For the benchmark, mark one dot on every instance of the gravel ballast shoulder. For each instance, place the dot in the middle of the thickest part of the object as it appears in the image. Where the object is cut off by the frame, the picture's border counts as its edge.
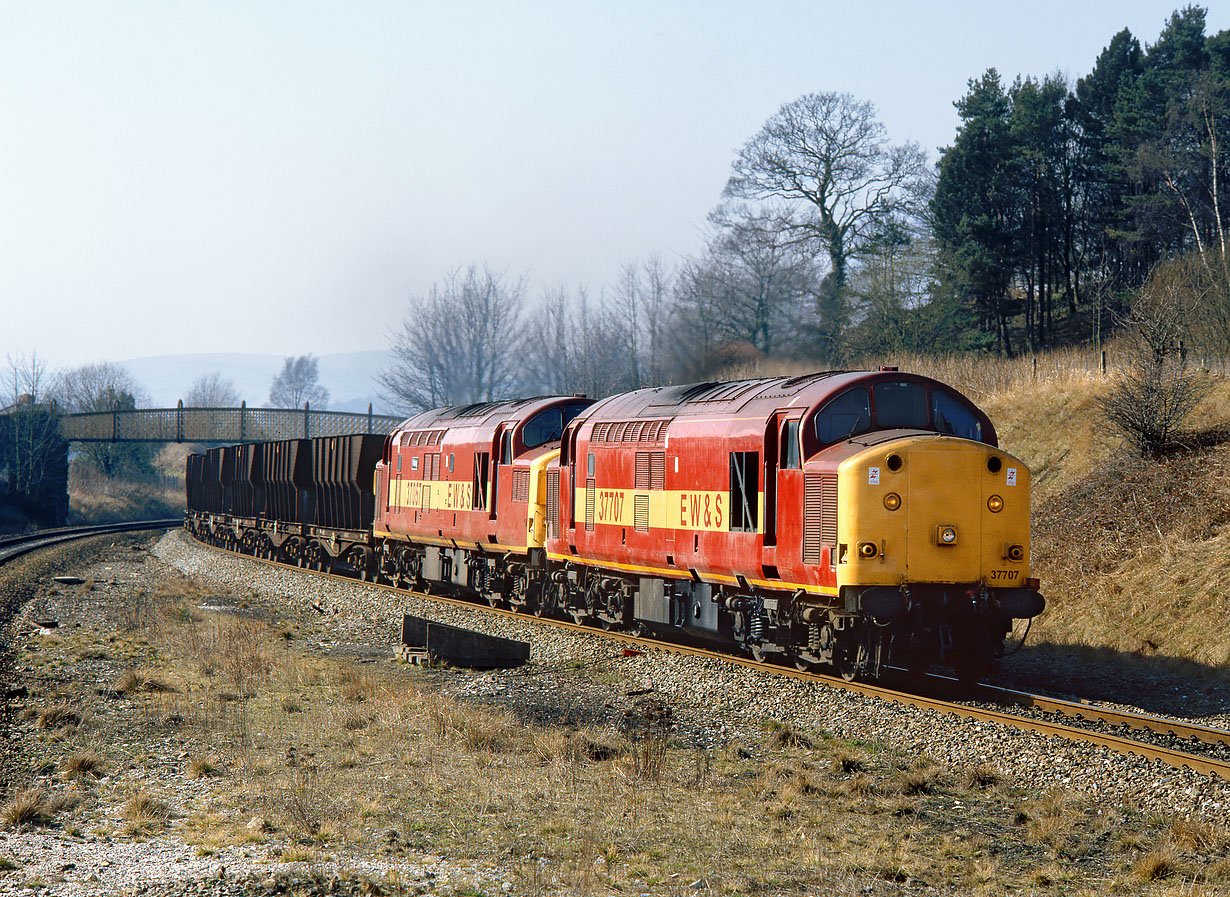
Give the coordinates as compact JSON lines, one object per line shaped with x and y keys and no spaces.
{"x":717,"y":702}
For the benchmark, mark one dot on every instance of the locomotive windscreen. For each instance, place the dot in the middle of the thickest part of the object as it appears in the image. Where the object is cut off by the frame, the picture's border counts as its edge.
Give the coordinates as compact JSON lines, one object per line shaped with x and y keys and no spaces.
{"x":896,"y":405}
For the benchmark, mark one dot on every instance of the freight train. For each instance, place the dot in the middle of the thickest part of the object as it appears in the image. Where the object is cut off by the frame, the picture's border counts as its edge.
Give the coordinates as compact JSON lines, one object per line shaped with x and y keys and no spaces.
{"x":859,"y":520}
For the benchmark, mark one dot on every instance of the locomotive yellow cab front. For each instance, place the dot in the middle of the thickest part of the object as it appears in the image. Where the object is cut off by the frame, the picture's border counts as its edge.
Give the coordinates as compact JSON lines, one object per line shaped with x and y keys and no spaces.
{"x":936,"y":510}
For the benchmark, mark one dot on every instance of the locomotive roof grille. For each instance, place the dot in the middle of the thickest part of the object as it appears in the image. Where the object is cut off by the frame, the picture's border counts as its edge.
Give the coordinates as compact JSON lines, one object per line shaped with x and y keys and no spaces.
{"x":629,"y":431}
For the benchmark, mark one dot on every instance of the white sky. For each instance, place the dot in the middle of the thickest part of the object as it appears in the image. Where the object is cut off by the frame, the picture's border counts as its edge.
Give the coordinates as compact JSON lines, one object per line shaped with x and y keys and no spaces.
{"x":187,"y":177}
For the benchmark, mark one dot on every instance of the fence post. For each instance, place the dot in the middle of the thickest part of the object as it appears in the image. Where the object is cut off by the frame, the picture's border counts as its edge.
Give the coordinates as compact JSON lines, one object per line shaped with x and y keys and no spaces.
{"x":115,"y":422}
{"x":307,"y":432}
{"x":243,"y":420}
{"x":369,"y":417}
{"x":1035,"y":367}
{"x":179,"y":421}
{"x":1103,"y":362}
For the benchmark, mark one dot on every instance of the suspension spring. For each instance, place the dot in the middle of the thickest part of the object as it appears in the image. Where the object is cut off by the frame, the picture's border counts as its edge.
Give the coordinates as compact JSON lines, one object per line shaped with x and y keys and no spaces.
{"x":756,"y":624}
{"x":815,"y":641}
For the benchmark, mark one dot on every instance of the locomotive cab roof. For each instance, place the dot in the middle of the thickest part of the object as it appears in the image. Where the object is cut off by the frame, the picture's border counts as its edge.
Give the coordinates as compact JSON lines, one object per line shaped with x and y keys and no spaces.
{"x":534,"y":422}
{"x":833,"y":406}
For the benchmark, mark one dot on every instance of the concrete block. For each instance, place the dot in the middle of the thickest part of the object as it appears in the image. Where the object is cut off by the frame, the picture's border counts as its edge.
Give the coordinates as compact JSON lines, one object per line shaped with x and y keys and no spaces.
{"x":460,"y":647}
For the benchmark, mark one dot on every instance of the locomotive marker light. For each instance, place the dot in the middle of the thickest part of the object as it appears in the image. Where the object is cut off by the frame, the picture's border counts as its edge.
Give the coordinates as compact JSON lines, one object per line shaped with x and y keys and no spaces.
{"x":946,"y":535}
{"x":867,"y":550}
{"x":995,"y":504}
{"x":892,"y":501}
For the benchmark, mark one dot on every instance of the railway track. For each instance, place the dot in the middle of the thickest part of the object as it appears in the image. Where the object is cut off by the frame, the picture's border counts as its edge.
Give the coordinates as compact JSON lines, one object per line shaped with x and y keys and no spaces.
{"x":968,"y":706}
{"x":15,"y":546}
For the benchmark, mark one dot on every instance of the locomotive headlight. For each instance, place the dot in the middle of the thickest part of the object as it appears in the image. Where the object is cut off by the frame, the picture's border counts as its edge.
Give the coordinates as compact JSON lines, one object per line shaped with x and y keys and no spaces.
{"x":946,"y":535}
{"x":892,"y":501}
{"x":995,"y":504}
{"x":867,"y":550}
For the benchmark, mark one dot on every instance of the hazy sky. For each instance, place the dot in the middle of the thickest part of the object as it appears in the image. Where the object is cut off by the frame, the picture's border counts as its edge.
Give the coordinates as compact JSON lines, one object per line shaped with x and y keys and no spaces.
{"x":278,"y":177}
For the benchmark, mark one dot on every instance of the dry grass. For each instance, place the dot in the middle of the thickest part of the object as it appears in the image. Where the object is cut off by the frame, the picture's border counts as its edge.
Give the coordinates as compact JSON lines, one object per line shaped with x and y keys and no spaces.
{"x":84,"y":763}
{"x":1156,"y":865}
{"x":133,"y":681}
{"x":983,"y":777}
{"x":785,"y":736}
{"x":61,"y":718}
{"x":202,"y":768}
{"x":144,"y":814}
{"x":27,"y":808}
{"x":383,"y":760}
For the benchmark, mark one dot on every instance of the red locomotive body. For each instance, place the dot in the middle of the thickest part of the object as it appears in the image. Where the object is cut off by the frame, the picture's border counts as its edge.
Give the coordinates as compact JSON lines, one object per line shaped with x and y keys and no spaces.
{"x":718,"y":508}
{"x":460,"y":488}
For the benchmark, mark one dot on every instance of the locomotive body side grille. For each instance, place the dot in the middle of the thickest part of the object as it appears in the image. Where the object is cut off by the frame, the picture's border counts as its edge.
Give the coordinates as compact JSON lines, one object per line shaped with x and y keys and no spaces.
{"x":640,"y":513}
{"x":591,"y":494}
{"x":642,"y":470}
{"x":521,"y":485}
{"x":553,"y":521}
{"x":811,"y":519}
{"x":657,"y":470}
{"x":828,"y":509}
{"x":819,"y":515}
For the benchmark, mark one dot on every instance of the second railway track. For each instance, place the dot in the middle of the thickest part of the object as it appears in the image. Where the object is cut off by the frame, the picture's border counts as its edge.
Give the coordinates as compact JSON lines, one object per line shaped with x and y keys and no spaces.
{"x":1210,"y":754}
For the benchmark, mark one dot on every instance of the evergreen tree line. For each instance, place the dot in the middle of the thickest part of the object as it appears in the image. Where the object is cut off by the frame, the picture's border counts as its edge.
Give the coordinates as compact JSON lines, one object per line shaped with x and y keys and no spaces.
{"x":1051,"y":199}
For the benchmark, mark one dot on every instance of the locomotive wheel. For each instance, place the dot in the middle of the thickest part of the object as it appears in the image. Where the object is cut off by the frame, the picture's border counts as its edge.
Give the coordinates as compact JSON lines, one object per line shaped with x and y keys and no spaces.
{"x":759,"y":654}
{"x":552,"y":596}
{"x":845,"y":658}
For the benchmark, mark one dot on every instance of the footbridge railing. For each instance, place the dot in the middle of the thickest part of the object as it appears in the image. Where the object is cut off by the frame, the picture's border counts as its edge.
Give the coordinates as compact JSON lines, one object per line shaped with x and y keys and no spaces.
{"x":242,"y":424}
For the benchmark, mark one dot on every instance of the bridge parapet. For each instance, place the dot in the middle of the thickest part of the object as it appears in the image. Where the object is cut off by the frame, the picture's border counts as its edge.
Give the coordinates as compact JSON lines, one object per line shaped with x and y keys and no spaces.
{"x":242,"y":424}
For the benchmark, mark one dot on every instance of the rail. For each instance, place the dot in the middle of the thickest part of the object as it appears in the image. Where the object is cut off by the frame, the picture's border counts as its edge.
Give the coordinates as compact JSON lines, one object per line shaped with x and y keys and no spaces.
{"x":12,"y":547}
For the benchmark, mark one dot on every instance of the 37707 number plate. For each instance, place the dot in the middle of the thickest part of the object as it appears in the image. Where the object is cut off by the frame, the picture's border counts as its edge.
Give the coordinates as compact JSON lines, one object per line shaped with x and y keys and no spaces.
{"x":1003,"y":575}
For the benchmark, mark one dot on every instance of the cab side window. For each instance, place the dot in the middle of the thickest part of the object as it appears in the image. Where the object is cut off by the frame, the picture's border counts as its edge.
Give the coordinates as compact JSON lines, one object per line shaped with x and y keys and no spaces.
{"x":543,"y":427}
{"x":791,"y":459}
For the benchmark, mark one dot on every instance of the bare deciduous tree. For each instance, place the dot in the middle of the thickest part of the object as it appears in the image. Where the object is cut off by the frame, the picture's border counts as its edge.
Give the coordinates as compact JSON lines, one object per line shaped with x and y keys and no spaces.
{"x":641,"y":305}
{"x":99,"y":387}
{"x":298,"y":382}
{"x":212,"y":390}
{"x":459,"y":343}
{"x":1156,"y":391}
{"x":106,"y":386}
{"x":824,"y":165}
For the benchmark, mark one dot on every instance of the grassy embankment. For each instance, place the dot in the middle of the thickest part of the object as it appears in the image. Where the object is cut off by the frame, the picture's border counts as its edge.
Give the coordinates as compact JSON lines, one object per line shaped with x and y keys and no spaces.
{"x":93,"y":498}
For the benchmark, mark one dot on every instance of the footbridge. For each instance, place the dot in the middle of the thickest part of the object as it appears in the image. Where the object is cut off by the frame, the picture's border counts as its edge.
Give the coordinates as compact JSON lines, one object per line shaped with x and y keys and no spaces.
{"x":242,"y":424}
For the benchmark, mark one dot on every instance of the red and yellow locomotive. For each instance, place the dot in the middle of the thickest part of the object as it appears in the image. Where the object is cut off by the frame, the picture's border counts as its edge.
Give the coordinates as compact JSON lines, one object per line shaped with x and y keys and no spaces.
{"x":859,"y":519}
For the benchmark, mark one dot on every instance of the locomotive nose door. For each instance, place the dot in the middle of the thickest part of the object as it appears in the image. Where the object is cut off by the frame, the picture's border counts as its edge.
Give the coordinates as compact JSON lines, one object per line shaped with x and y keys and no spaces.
{"x":944,"y":532}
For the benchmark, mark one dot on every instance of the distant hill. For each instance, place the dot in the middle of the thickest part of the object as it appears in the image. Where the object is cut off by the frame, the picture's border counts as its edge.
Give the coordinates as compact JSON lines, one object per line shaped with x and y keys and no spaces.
{"x":349,"y":377}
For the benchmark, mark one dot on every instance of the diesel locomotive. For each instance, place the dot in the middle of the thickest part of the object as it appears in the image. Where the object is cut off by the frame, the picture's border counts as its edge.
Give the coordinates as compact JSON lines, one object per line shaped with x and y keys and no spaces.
{"x":858,"y":520}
